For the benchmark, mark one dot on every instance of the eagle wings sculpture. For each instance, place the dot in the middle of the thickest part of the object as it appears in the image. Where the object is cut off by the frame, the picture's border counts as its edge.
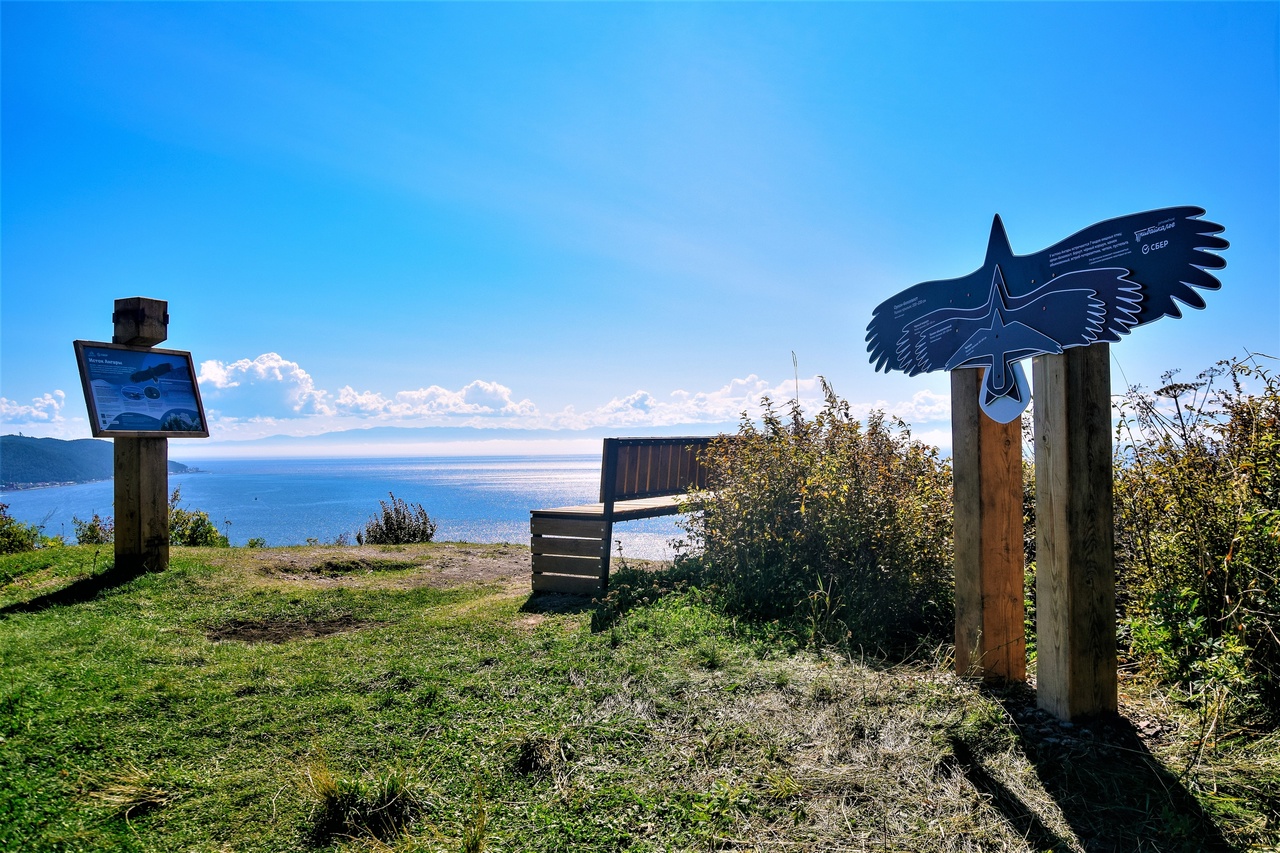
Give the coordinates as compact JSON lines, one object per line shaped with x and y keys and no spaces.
{"x":1094,"y":286}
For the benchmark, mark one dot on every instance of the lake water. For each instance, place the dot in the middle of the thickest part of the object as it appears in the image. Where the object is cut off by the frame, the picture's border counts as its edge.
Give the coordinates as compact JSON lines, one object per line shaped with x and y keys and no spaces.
{"x":287,"y":501}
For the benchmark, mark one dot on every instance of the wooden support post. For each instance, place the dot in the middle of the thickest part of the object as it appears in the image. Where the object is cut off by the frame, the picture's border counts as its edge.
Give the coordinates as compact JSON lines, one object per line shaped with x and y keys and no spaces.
{"x":1075,"y":554}
{"x":142,"y":505}
{"x":987,"y":468}
{"x":141,"y":464}
{"x":608,"y":493}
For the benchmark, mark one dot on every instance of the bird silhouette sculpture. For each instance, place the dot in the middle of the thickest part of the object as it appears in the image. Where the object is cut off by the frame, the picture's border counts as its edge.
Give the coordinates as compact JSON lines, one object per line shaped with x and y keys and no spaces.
{"x":1094,"y":286}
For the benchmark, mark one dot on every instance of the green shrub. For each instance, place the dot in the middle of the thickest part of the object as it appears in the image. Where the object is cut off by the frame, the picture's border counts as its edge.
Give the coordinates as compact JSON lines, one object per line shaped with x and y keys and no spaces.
{"x":256,"y":542}
{"x":1197,"y":488}
{"x":192,"y":527}
{"x":16,"y":536}
{"x":98,"y":530}
{"x":399,"y":524}
{"x":842,"y":527}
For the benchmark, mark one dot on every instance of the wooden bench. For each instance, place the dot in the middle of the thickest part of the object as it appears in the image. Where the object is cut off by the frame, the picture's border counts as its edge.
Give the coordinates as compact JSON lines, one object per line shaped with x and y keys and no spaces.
{"x":639,"y":478}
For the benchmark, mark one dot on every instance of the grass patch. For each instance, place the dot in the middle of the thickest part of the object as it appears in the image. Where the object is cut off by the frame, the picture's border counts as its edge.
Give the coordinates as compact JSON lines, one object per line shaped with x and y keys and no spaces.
{"x":474,"y":718}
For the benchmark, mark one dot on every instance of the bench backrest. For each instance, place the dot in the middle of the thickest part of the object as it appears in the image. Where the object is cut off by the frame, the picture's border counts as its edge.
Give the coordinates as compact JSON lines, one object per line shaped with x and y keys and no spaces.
{"x":650,"y":467}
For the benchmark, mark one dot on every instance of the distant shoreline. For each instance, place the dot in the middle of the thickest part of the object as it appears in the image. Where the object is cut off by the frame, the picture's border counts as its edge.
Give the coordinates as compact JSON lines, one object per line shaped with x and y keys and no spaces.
{"x":27,"y":487}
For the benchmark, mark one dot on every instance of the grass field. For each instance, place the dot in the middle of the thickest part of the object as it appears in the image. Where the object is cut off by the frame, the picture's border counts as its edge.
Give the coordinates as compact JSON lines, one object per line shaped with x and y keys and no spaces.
{"x":327,"y":699}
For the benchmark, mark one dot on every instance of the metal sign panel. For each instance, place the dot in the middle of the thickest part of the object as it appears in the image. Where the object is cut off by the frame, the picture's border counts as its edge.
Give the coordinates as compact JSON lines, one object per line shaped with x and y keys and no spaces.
{"x":1094,"y":286}
{"x":140,"y":391}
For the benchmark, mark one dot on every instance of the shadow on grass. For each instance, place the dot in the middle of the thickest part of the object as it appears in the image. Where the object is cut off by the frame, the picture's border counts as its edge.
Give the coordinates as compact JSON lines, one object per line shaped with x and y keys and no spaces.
{"x":1113,"y":792}
{"x":557,"y":602}
{"x":1015,"y":812}
{"x":79,"y":591}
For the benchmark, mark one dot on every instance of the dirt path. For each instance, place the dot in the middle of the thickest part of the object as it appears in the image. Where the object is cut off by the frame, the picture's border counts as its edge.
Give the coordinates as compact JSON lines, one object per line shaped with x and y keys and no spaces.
{"x":437,"y":564}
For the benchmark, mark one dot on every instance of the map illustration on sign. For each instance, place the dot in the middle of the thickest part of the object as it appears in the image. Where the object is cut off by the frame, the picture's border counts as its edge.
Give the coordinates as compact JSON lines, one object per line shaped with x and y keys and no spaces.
{"x":140,"y":391}
{"x":1092,"y":287}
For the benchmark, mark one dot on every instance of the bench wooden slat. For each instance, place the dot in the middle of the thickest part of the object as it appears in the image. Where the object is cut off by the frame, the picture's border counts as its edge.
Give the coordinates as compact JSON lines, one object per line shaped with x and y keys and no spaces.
{"x":586,"y":525}
{"x":567,"y":584}
{"x":566,"y":547}
{"x":629,"y":462}
{"x":567,"y":565}
{"x":647,"y":508}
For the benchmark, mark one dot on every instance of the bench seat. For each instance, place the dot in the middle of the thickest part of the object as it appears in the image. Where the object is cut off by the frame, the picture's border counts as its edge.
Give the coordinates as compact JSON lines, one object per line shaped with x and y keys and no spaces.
{"x":622,"y":510}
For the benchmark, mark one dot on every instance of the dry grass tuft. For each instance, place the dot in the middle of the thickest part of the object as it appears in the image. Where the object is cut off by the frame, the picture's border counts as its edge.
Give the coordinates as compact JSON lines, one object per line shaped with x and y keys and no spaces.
{"x":378,"y":806}
{"x":133,"y":791}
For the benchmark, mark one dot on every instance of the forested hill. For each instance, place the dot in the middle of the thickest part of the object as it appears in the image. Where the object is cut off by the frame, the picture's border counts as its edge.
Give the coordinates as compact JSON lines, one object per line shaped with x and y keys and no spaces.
{"x":26,"y":461}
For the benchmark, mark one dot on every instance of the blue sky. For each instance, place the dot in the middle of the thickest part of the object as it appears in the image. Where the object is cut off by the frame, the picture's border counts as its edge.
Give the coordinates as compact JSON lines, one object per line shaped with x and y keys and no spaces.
{"x":595,"y":215}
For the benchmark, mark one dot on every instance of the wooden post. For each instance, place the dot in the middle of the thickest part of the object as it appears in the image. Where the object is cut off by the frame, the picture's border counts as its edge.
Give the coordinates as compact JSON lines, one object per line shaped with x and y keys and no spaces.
{"x":141,"y":464}
{"x":987,"y":468}
{"x":142,"y":505}
{"x":1075,"y":554}
{"x":608,"y":491}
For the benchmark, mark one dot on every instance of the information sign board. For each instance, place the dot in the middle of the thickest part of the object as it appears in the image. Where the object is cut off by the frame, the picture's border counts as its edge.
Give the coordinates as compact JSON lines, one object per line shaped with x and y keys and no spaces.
{"x":140,"y":391}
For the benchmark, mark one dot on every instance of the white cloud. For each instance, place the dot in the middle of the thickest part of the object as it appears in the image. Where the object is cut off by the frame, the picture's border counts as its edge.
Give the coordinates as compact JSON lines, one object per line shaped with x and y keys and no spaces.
{"x":270,"y":395}
{"x":478,"y":398}
{"x":724,"y":404}
{"x":272,"y":384}
{"x":45,"y":409}
{"x":925,"y":406}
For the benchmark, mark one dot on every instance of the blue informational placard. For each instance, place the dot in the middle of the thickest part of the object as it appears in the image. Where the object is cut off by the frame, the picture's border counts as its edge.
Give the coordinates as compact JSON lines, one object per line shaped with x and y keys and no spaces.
{"x":1094,"y":286}
{"x":140,"y":391}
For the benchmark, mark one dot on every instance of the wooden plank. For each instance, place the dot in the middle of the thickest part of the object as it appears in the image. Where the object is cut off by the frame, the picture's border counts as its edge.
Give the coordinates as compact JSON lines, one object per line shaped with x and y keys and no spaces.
{"x":1004,"y":641}
{"x":582,"y":511}
{"x":566,"y":565}
{"x":609,"y":470}
{"x":567,"y":547}
{"x":666,"y":478}
{"x":633,"y":510}
{"x":987,"y":489}
{"x":141,"y":471}
{"x":628,"y":470}
{"x":1075,"y":551}
{"x":644,"y":473}
{"x":966,"y":478}
{"x":586,"y":528}
{"x":563,"y":521}
{"x":566,"y":584}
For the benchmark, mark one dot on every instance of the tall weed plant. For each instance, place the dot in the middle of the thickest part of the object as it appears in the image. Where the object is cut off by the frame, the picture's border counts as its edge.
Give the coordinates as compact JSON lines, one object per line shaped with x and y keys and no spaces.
{"x":1197,"y":489}
{"x":840,"y":527}
{"x":399,"y":523}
